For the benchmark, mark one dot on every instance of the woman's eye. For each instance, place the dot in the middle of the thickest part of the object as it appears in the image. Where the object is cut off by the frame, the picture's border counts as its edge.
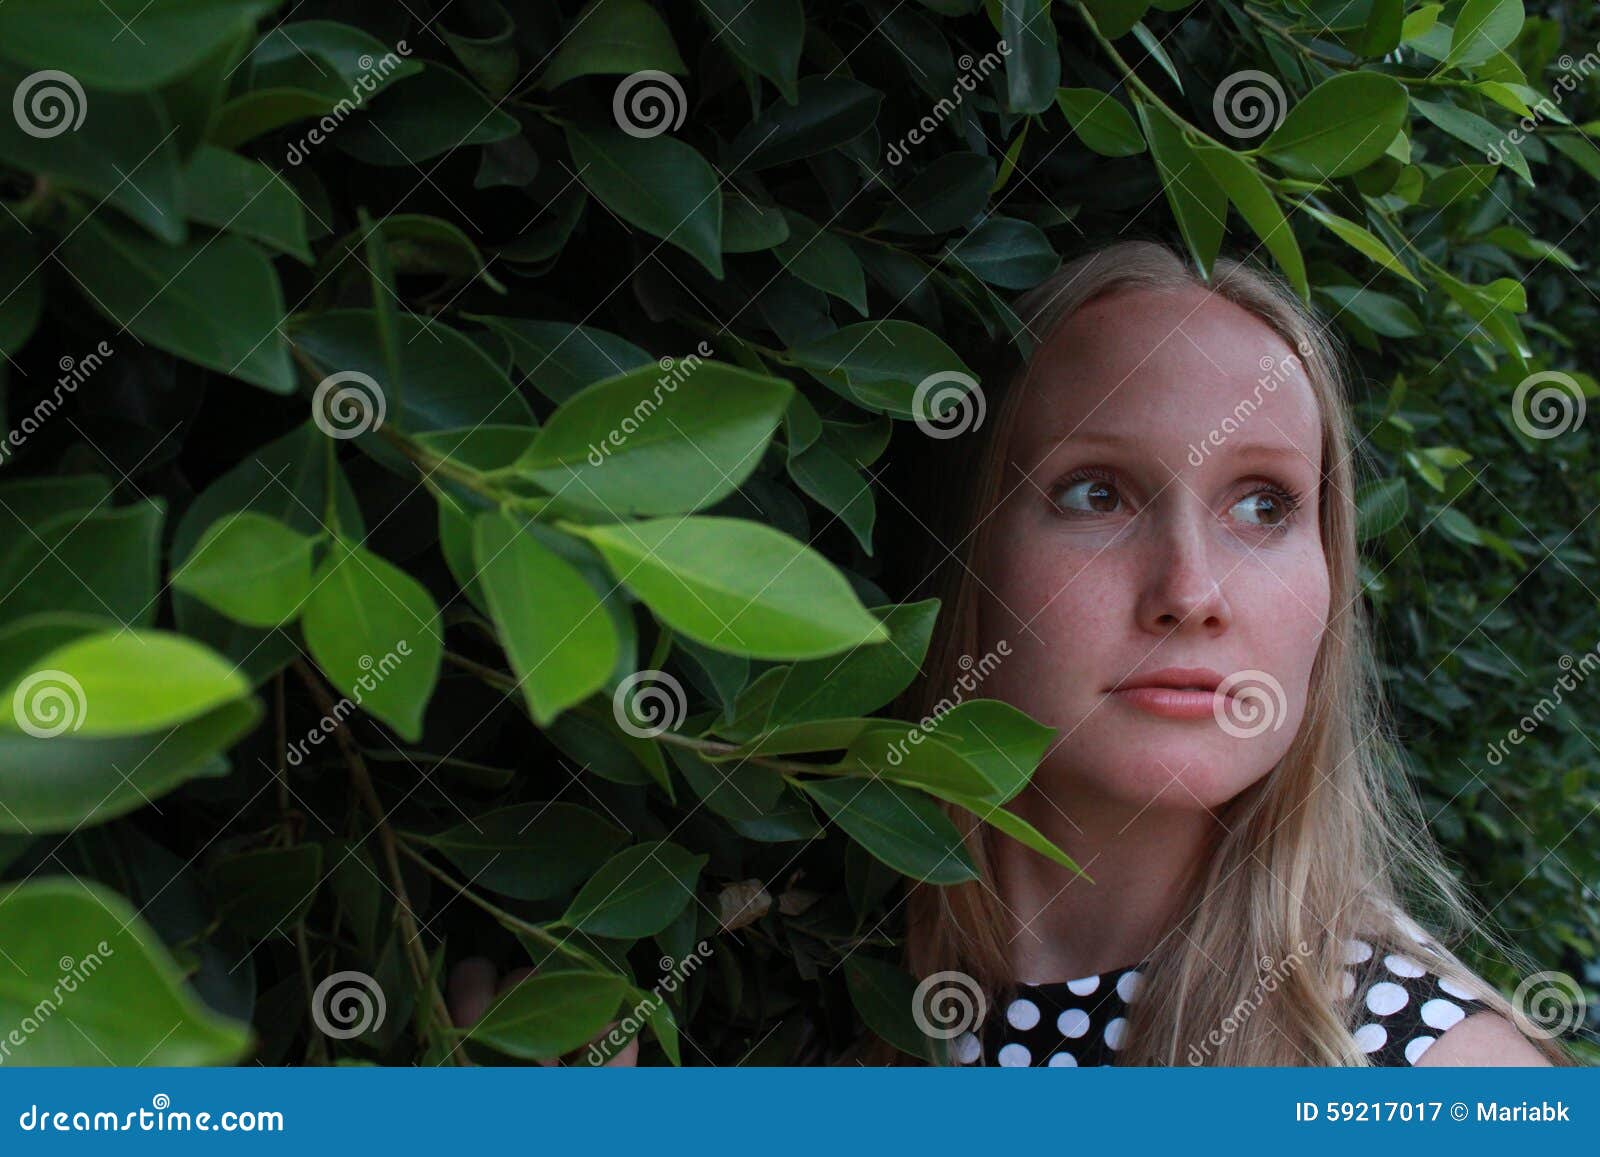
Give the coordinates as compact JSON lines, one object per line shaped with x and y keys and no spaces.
{"x":1264,"y":508}
{"x":1087,"y":495}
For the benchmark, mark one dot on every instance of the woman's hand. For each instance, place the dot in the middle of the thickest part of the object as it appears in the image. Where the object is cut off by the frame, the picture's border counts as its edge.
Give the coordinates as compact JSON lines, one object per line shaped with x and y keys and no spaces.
{"x":472,"y":988}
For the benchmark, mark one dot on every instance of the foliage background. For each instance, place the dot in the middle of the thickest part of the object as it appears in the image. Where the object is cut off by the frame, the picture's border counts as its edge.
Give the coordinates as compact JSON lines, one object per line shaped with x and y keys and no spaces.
{"x":474,"y":234}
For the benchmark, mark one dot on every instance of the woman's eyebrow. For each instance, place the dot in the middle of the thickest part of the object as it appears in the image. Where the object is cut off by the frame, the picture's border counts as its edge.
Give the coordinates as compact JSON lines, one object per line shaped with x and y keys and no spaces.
{"x":1254,"y":448}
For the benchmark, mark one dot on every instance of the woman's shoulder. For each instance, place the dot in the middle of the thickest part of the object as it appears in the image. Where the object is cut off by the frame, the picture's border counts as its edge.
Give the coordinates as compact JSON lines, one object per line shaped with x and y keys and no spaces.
{"x":1404,"y":1003}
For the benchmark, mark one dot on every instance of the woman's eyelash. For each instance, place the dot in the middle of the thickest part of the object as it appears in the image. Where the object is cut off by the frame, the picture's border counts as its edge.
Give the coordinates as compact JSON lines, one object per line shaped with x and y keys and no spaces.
{"x":1291,"y":498}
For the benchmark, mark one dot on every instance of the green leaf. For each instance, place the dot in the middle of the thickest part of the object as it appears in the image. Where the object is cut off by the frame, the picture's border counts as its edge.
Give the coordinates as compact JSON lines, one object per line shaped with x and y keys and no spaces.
{"x":550,"y":1013}
{"x":215,"y":302}
{"x":637,"y":892}
{"x":1385,"y":25}
{"x":658,"y":184}
{"x":1484,"y":28}
{"x":1359,"y":239}
{"x":1016,"y":827}
{"x":122,"y":44}
{"x":950,"y":192}
{"x":765,"y":35}
{"x":831,"y":112}
{"x":530,"y":851}
{"x":1102,"y":122}
{"x":738,"y":586}
{"x":558,"y":358}
{"x":425,"y":117}
{"x":658,"y":441}
{"x":100,"y":685}
{"x":1380,"y":507}
{"x":901,"y":827}
{"x":1116,"y":17}
{"x":1259,"y":208}
{"x":1006,"y":252}
{"x":250,"y":567}
{"x":1380,"y":312}
{"x":882,"y":364}
{"x":613,"y":37}
{"x":554,"y":630}
{"x":1198,"y":203}
{"x":374,"y":630}
{"x":886,"y":996}
{"x":128,"y":1004}
{"x":125,"y":133}
{"x":243,"y":196}
{"x":100,"y":563}
{"x":1033,"y":66}
{"x":1481,"y":135}
{"x":264,"y":891}
{"x":822,"y":259}
{"x":1339,"y":127}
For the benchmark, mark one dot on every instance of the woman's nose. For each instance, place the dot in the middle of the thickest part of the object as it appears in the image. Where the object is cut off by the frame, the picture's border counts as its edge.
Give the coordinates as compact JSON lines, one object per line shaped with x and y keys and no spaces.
{"x":1185,"y":574}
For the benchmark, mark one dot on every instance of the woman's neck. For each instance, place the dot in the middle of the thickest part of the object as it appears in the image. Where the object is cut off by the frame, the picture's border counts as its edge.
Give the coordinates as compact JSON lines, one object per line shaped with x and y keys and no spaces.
{"x":1140,"y":859}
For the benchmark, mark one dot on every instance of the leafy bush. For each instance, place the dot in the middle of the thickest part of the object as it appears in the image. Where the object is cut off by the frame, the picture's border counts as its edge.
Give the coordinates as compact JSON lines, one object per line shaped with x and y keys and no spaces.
{"x":442,"y":475}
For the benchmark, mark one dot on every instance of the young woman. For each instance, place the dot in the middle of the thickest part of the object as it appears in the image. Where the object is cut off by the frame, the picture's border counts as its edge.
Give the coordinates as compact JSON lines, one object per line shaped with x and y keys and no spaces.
{"x":1155,"y":553}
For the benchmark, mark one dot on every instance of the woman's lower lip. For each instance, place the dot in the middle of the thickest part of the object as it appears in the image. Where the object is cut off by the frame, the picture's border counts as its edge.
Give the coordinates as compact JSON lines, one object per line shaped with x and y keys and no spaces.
{"x":1171,"y":702}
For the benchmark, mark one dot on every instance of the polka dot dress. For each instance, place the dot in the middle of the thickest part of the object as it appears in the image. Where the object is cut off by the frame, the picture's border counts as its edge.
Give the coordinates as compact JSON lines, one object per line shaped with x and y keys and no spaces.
{"x":1397,"y":1009}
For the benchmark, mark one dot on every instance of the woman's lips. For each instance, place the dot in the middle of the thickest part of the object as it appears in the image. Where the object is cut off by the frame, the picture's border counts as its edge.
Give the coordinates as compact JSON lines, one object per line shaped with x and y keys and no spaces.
{"x":1172,"y":703}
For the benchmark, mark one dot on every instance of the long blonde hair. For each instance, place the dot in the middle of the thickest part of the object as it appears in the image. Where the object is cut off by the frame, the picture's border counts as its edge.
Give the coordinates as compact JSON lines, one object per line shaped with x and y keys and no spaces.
{"x":1331,"y":846}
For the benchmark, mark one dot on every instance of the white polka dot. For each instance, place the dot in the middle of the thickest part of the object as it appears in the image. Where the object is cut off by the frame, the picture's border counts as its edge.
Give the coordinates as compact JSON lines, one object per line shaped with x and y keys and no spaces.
{"x":1128,"y":985}
{"x":1347,"y":983}
{"x":1015,"y":1056}
{"x":968,"y":1048}
{"x":1371,"y":1037}
{"x":1355,"y":951}
{"x":1415,"y":1048}
{"x":1115,"y":1031}
{"x":1402,"y":965}
{"x":1073,"y":1022}
{"x":1386,"y":997}
{"x":1441,"y":1014}
{"x":1083,"y":986}
{"x":1022,"y":1013}
{"x":1460,"y":991}
{"x":1062,"y":1061}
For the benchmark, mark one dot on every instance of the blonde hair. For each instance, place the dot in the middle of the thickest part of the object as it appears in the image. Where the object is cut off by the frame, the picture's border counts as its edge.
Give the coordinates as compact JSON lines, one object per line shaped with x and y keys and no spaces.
{"x":1331,"y":846}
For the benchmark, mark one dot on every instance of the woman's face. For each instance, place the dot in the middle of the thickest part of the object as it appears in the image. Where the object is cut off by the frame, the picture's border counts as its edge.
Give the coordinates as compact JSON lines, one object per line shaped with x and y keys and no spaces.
{"x":1146,"y":524}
